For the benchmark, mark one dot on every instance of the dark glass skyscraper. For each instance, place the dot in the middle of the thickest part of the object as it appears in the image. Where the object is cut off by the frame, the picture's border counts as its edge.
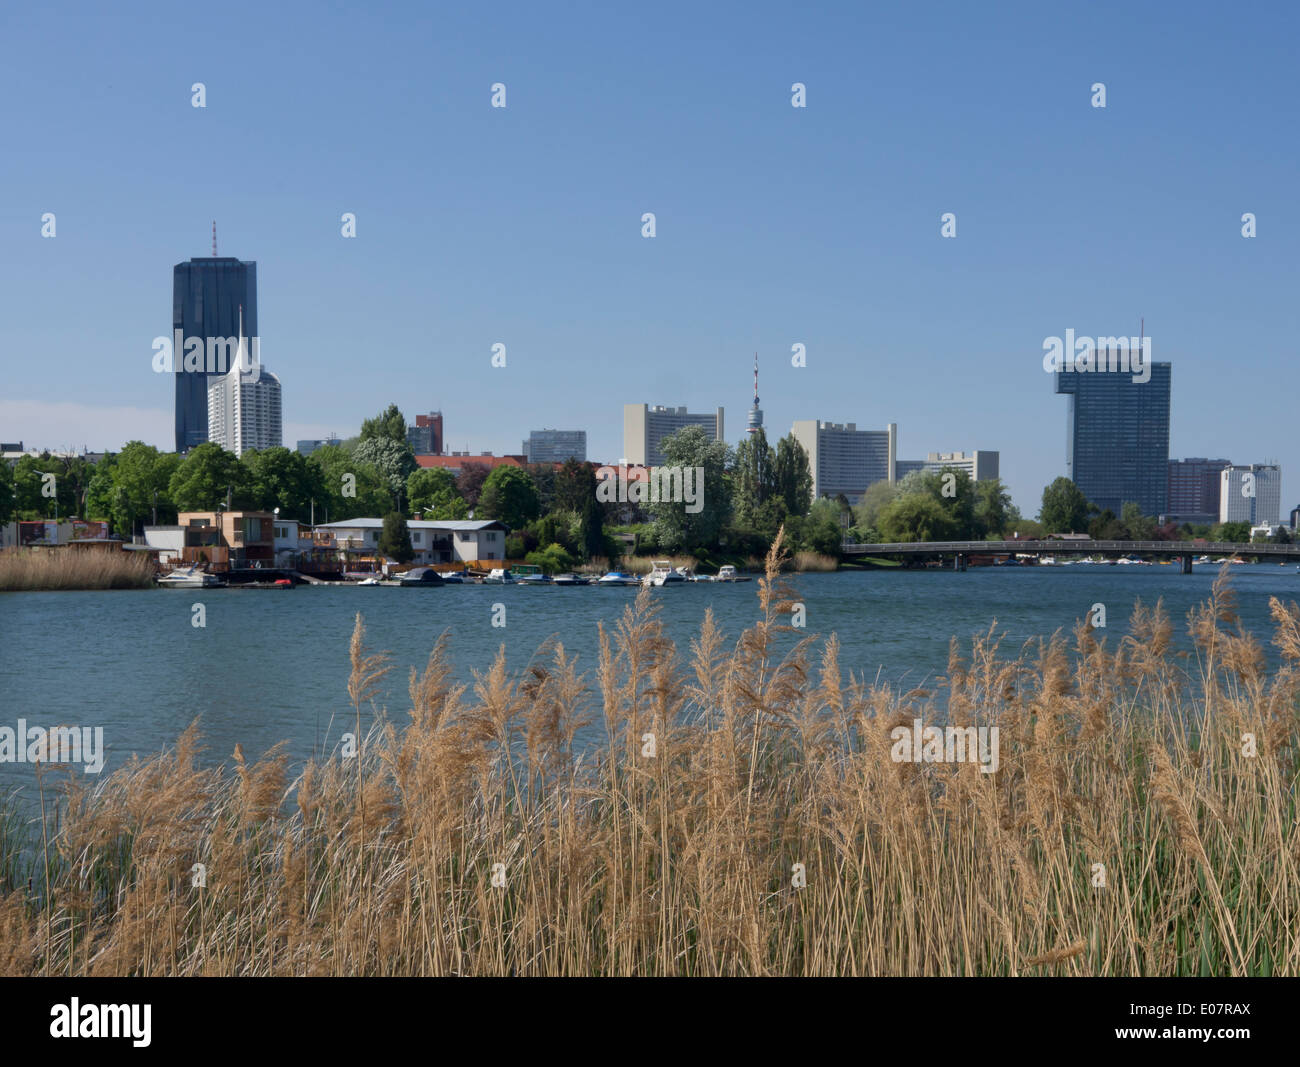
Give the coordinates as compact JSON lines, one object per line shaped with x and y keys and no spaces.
{"x":207,"y":295}
{"x":1117,"y":449}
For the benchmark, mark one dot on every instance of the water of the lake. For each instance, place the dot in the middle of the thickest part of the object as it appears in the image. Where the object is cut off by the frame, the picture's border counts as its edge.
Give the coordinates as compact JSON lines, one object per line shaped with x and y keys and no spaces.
{"x":273,"y":665}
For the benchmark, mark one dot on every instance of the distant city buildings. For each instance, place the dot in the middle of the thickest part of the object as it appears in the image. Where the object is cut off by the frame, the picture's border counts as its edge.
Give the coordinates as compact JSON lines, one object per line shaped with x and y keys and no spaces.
{"x":904,"y":467}
{"x":980,"y":465}
{"x":244,"y":406}
{"x":1194,"y":490}
{"x":844,"y":459}
{"x":307,"y":447}
{"x":207,"y":297}
{"x":645,"y":427}
{"x":1117,"y":447}
{"x":425,"y":437}
{"x":556,"y":446}
{"x":1251,"y":494}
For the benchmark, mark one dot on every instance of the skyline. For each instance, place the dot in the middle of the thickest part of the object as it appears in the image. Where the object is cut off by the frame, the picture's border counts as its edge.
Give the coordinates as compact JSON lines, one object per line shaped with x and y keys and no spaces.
{"x":775,"y":226}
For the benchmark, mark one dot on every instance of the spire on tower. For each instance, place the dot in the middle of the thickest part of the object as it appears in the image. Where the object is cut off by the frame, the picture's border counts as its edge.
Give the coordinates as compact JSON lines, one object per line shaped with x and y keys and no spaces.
{"x":755,"y":420}
{"x":214,"y":238}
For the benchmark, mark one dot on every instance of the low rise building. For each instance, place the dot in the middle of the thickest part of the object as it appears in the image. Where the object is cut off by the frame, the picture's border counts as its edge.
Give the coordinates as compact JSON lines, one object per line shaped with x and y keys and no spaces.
{"x":433,"y":541}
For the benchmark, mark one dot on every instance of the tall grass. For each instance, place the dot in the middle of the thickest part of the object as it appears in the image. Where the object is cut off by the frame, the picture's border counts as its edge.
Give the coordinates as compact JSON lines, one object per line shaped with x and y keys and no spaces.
{"x":1113,"y":770}
{"x":27,"y":569}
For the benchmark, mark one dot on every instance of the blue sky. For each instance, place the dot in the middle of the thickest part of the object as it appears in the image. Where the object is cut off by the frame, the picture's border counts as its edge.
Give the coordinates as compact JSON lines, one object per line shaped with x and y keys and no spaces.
{"x":775,"y":225}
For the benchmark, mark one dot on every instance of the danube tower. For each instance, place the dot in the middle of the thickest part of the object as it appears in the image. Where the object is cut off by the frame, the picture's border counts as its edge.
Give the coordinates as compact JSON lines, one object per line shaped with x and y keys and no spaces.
{"x":755,"y":421}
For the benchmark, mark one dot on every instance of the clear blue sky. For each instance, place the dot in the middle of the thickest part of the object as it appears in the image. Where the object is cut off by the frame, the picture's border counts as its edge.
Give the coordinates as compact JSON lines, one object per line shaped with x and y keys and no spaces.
{"x":776,"y":225}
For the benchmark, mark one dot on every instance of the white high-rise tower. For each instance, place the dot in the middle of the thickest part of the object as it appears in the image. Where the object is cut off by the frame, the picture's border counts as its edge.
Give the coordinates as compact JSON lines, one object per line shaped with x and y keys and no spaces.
{"x":244,"y":403}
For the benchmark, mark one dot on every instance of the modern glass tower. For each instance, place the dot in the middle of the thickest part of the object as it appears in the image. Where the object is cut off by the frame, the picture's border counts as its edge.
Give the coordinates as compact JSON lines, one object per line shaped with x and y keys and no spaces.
{"x":207,"y":295}
{"x":1117,"y":447}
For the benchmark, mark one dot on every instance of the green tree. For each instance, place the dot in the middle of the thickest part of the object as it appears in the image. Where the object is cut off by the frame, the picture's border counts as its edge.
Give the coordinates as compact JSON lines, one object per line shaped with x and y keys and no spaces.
{"x":509,"y":496}
{"x":753,"y":482}
{"x":432,"y":492}
{"x":1106,"y":527}
{"x":793,"y":476}
{"x":992,"y":508}
{"x":126,"y":488}
{"x":390,"y":425}
{"x":394,"y":460}
{"x":6,"y":492}
{"x":352,"y":490}
{"x":1140,"y":527}
{"x":919,"y":517}
{"x":1237,"y":532}
{"x":574,"y":482}
{"x":546,"y":478}
{"x":1065,"y":509}
{"x":676,"y":527}
{"x":284,"y":479}
{"x":395,"y":539}
{"x":209,"y":476}
{"x":866,"y":513}
{"x":553,"y":559}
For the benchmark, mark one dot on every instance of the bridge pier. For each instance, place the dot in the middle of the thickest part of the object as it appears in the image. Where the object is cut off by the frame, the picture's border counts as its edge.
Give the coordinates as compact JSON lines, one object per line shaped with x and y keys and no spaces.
{"x":959,"y":561}
{"x":1187,"y":564}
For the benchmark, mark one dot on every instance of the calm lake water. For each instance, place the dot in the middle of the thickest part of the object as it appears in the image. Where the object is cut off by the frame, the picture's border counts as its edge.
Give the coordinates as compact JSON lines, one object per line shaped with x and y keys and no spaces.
{"x":273,"y":666}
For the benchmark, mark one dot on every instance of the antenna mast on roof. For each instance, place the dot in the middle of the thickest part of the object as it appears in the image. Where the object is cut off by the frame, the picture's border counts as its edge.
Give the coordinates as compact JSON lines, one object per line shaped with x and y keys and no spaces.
{"x":214,"y":238}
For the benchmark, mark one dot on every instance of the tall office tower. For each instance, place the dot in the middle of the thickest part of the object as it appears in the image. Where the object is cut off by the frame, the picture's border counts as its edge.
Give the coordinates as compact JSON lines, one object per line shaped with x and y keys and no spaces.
{"x":645,"y":427}
{"x":980,"y":465}
{"x":244,"y":406}
{"x":1194,"y":489}
{"x":1117,"y":447}
{"x":1251,"y":494}
{"x":556,"y":446}
{"x":425,"y":436}
{"x":755,"y":419}
{"x":844,"y":459}
{"x":207,"y":295}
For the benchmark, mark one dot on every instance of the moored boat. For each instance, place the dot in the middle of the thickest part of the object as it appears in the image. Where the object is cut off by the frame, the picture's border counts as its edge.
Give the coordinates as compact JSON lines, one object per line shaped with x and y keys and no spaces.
{"x":420,"y":576}
{"x":190,"y":578}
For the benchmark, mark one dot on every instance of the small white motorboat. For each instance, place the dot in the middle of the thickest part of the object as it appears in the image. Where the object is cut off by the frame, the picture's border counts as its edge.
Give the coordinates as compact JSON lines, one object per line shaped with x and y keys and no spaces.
{"x":662,"y":572}
{"x":190,"y":578}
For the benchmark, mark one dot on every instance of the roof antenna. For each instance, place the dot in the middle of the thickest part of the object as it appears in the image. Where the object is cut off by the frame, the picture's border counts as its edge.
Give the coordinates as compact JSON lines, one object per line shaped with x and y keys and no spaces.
{"x":214,"y":238}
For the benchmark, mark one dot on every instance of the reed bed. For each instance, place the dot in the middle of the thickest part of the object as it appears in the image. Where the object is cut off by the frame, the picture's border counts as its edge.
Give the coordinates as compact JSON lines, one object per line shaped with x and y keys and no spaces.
{"x":28,"y":569}
{"x":813,"y":561}
{"x":474,"y":837}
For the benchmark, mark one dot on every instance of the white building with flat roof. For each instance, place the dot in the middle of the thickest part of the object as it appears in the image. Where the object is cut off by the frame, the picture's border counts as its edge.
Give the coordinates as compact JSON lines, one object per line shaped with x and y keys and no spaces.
{"x":979,"y":465}
{"x":844,"y":459}
{"x":434,"y":541}
{"x":645,"y":427}
{"x":1251,"y":494}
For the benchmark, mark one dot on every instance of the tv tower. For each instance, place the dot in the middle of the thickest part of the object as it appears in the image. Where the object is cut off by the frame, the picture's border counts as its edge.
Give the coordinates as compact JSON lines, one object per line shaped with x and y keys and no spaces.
{"x":755,"y":420}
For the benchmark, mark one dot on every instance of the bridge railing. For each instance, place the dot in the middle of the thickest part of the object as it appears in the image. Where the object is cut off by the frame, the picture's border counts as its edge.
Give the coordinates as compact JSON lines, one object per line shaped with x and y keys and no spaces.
{"x":1167,"y":548}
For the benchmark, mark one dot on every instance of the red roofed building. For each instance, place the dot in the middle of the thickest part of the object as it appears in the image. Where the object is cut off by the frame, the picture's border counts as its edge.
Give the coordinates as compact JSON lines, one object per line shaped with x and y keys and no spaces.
{"x":453,"y":464}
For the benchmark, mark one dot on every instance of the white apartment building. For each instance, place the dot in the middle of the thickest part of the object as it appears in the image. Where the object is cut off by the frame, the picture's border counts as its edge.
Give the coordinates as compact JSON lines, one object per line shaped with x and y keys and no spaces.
{"x":844,"y":459}
{"x":979,"y":465}
{"x":1251,"y":494}
{"x":244,"y":406}
{"x":645,"y":427}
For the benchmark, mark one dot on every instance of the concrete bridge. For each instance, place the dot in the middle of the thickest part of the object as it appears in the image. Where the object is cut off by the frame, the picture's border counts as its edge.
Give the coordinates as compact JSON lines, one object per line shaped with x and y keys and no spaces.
{"x":1185,"y":551}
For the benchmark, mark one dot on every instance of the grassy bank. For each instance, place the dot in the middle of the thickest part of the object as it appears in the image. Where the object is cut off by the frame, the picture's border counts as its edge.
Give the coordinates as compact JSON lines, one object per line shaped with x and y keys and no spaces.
{"x":27,"y":569}
{"x":684,"y":861}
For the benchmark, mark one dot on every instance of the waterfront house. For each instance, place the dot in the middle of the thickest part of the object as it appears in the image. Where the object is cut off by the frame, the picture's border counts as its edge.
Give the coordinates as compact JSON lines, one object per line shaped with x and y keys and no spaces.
{"x":223,"y":539}
{"x":434,"y":541}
